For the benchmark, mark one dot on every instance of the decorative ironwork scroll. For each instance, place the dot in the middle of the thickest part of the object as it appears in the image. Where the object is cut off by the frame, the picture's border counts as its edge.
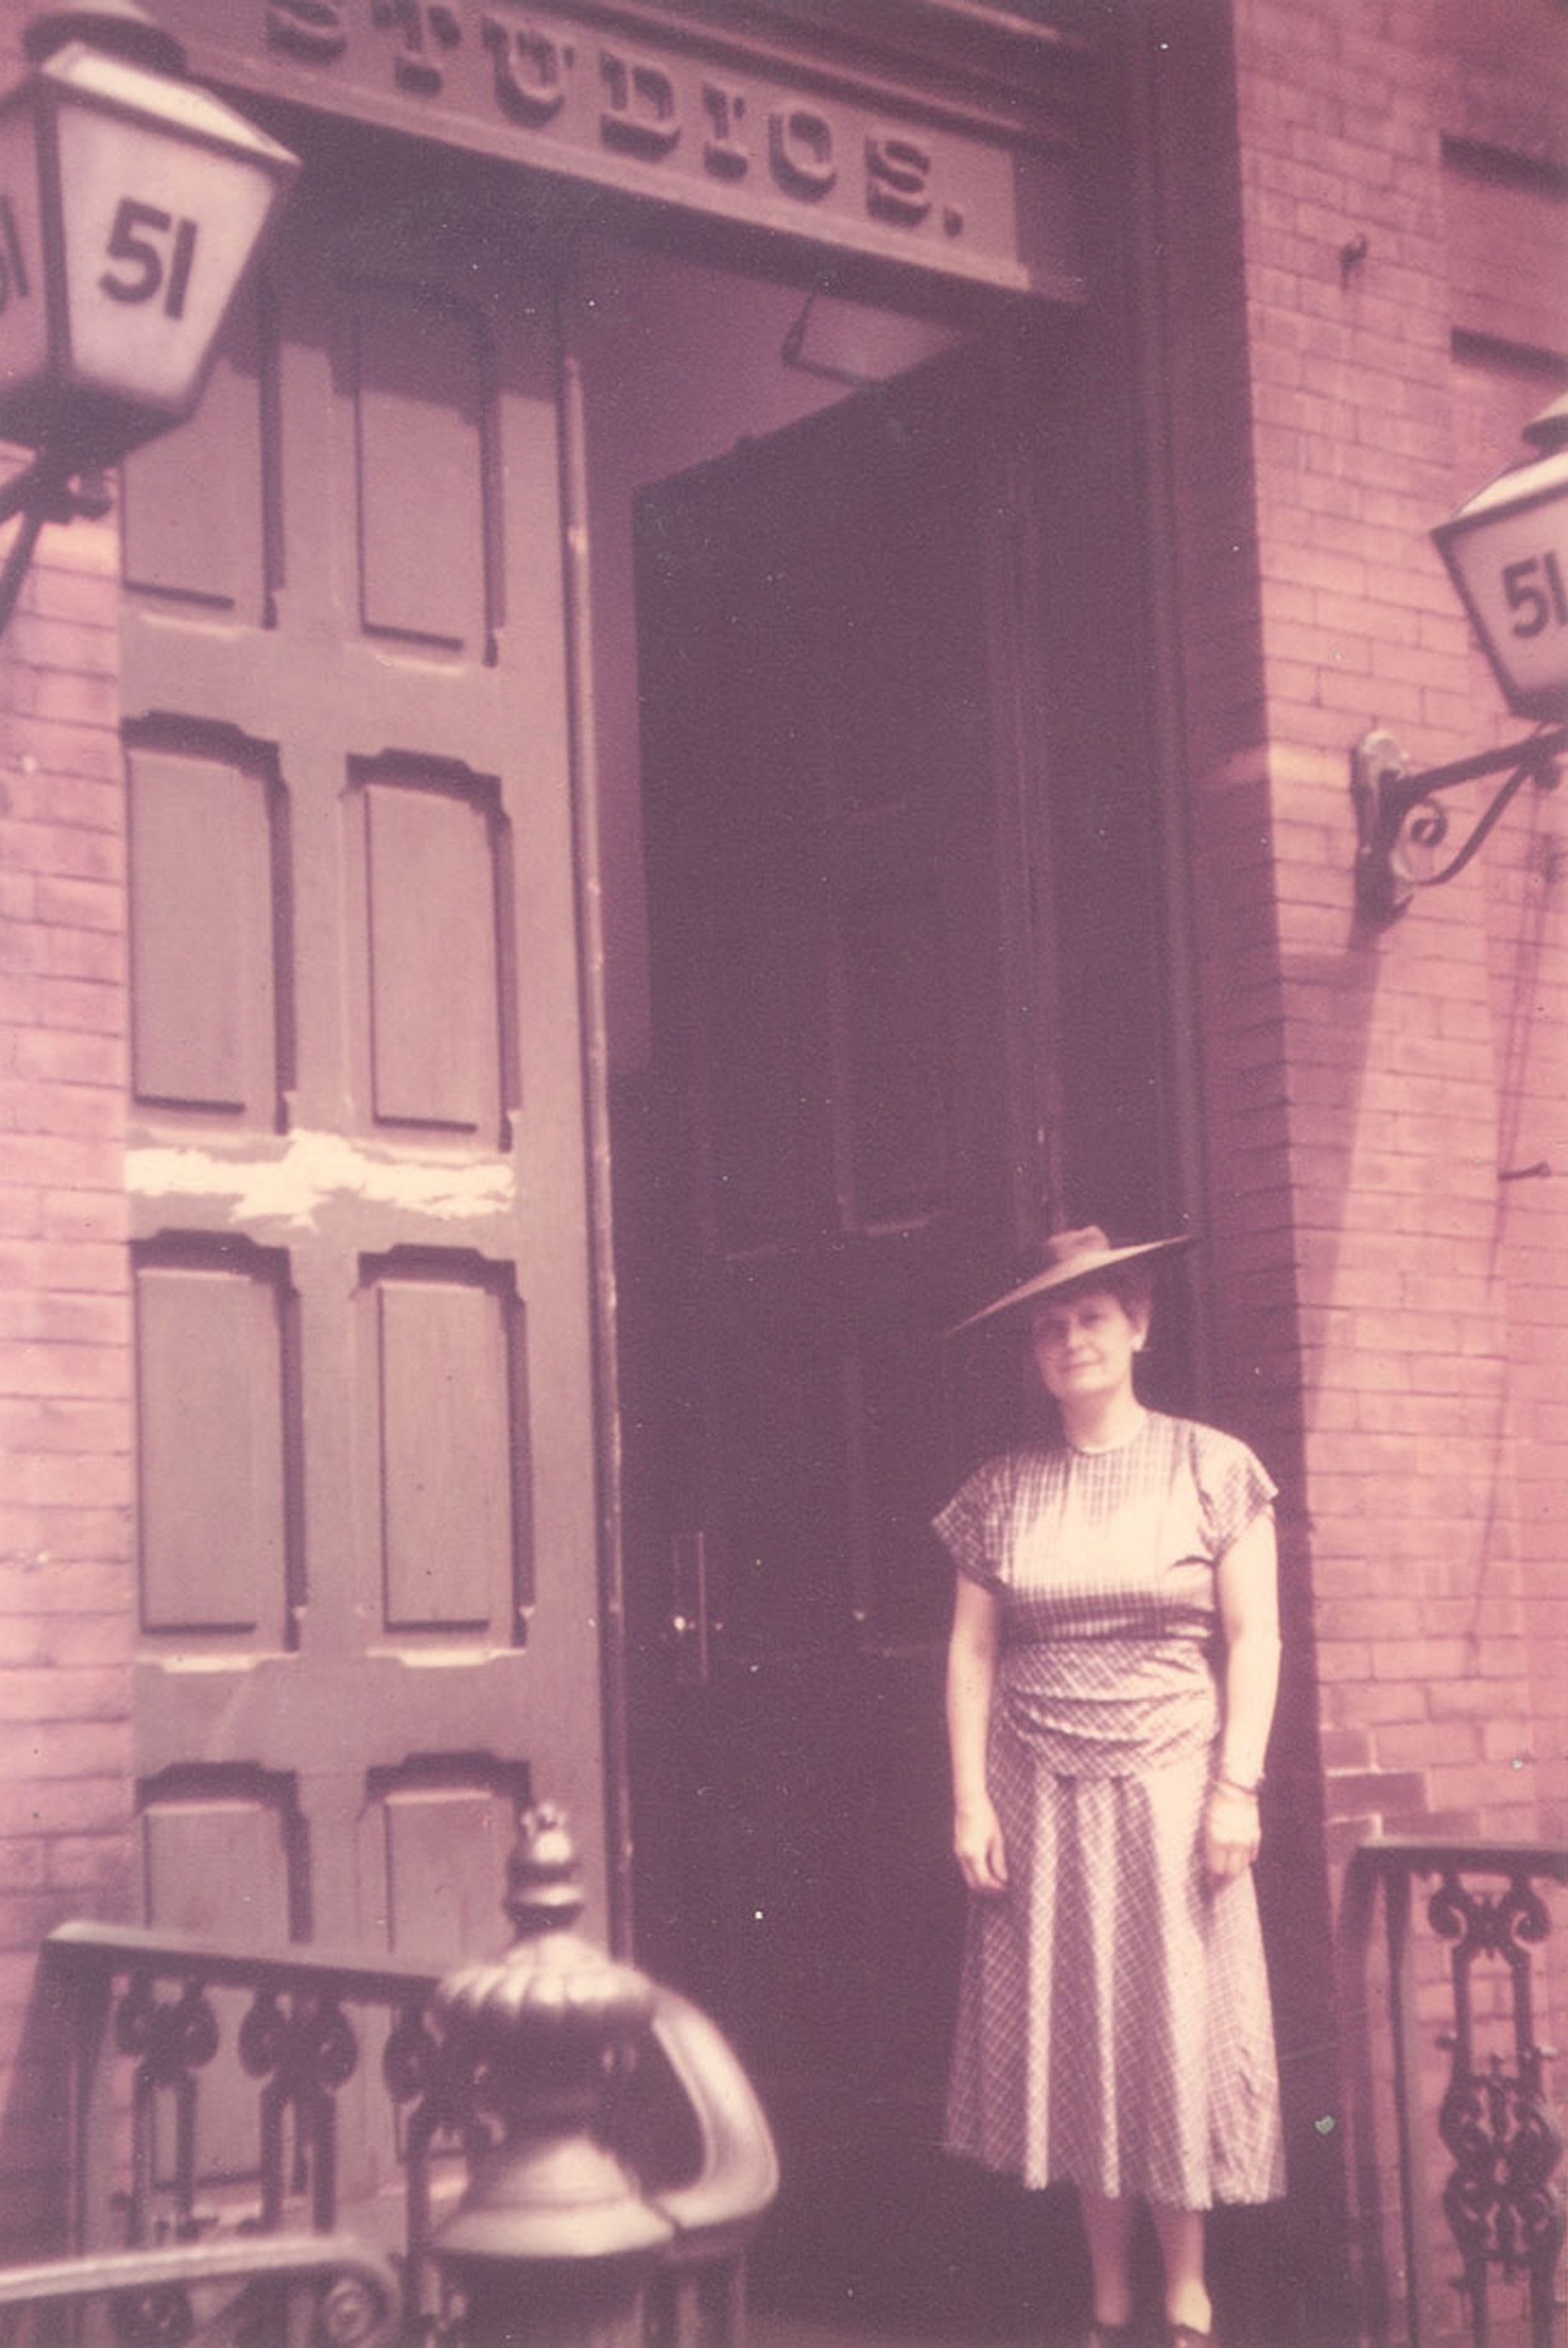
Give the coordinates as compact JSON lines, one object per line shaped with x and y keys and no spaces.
{"x":1402,"y":826}
{"x":305,"y":2053}
{"x":695,"y":2161}
{"x":1505,"y":2211}
{"x":1502,"y":2199}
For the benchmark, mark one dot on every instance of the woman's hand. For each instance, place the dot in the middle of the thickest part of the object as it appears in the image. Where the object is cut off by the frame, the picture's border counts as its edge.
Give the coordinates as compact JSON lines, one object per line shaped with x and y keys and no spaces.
{"x":978,"y":1848}
{"x":1232,"y":1831}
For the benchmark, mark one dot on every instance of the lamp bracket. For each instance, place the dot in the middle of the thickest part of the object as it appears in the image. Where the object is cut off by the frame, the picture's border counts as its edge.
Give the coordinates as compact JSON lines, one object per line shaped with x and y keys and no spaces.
{"x":1397,"y":812}
{"x":50,"y":489}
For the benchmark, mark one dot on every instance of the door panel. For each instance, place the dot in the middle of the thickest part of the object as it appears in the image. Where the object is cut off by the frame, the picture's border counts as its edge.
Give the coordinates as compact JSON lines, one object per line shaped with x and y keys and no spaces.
{"x":204,"y":1031}
{"x":435,"y":1842}
{"x":834,"y":1150}
{"x":210,"y":551}
{"x":213,"y":1463}
{"x":227,"y":1854}
{"x":366,"y":1397}
{"x":424,"y":480}
{"x":431,"y":882}
{"x":456,"y":1555}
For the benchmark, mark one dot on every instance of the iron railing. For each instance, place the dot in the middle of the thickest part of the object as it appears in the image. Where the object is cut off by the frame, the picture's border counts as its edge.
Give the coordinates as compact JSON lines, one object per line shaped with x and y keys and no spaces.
{"x":1502,"y":2198}
{"x":142,"y":2012}
{"x":143,"y":2015}
{"x":318,"y":2289}
{"x":147,"y":1999}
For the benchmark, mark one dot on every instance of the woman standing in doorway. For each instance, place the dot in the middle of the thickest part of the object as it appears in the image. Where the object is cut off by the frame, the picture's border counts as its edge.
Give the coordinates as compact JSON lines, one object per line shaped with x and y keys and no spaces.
{"x":1110,"y":1685}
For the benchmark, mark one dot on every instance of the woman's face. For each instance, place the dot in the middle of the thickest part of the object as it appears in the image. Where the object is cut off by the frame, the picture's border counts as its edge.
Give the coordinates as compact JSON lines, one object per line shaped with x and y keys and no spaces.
{"x":1085,"y":1345}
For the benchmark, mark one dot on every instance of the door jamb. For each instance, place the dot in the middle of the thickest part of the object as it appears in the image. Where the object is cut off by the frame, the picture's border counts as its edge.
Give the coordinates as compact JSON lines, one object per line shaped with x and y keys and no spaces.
{"x":583,"y":767}
{"x":1016,"y":640}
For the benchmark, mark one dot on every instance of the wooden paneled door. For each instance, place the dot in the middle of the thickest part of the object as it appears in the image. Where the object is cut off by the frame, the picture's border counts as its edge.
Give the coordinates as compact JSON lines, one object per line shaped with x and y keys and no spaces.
{"x":832,"y":758}
{"x":368,"y":1556}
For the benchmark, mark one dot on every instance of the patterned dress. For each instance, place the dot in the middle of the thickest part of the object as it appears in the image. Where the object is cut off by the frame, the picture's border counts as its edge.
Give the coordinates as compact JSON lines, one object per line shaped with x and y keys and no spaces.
{"x":1113,"y":2022}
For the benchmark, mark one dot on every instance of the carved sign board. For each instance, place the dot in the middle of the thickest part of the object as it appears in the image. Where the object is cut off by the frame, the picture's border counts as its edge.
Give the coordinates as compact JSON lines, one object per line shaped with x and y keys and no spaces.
{"x":687,"y":116}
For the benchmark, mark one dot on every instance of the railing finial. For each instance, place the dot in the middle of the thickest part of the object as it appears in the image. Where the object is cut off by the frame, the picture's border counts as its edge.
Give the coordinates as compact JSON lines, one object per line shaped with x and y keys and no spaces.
{"x":541,"y":2040}
{"x":543,"y":1880}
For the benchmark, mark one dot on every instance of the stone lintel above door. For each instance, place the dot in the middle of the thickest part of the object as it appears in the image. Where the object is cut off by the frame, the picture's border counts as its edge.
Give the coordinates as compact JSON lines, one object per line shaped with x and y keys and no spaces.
{"x":918,"y":153}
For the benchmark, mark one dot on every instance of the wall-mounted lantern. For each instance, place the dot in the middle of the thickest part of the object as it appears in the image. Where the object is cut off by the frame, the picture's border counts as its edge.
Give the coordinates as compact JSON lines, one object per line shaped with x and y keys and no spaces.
{"x":132,"y":205}
{"x":1507,"y":553}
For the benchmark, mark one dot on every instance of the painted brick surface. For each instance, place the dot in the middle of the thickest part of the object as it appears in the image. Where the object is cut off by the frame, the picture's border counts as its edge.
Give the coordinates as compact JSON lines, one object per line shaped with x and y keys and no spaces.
{"x":65,"y":1624}
{"x":1405,"y":256}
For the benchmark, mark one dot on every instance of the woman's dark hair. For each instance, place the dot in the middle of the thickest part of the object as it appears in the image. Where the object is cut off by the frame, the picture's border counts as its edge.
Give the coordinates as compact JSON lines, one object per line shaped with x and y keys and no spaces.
{"x":1130,"y":1284}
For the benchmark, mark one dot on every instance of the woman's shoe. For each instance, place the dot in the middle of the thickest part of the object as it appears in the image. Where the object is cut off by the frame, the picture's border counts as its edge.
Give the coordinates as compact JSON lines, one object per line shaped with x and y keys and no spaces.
{"x":1183,"y":2336}
{"x":1110,"y":2336}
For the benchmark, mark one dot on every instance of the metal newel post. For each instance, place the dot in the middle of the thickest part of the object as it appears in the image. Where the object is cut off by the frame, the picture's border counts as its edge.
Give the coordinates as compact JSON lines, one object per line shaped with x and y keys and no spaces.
{"x":552,"y":2242}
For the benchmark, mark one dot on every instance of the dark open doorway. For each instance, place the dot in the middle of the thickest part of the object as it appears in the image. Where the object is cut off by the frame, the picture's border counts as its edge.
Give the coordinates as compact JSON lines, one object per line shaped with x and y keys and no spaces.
{"x":834,"y":918}
{"x":860,"y":1091}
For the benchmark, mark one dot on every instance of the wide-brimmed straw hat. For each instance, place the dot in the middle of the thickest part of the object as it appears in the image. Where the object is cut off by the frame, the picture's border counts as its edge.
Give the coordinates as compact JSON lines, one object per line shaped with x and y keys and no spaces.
{"x":1066,"y":1258}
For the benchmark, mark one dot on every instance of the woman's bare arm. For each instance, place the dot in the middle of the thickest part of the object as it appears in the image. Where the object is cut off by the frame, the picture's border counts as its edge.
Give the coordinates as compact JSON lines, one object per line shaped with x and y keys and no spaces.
{"x":971,"y":1679}
{"x":1248,"y":1588}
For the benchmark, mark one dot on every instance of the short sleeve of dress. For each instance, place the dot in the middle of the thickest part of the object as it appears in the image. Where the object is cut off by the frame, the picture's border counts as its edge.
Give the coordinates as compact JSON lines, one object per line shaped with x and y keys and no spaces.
{"x":972,"y":1525}
{"x":1234,"y":1485}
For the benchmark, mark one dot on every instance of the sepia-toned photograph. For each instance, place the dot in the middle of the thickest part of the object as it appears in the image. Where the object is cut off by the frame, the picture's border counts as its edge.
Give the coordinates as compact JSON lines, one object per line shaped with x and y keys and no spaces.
{"x":783,"y":1173}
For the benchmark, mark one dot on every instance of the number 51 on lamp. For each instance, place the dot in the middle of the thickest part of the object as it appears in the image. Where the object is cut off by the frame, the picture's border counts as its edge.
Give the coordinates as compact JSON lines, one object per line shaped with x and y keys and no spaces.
{"x":132,"y":208}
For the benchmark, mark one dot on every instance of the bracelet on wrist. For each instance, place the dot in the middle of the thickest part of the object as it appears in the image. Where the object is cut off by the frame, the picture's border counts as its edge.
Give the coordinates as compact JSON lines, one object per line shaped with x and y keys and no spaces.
{"x":1235,"y":1785}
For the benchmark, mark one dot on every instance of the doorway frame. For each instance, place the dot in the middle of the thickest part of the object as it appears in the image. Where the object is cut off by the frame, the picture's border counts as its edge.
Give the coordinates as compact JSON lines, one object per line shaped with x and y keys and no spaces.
{"x":1025,"y":340}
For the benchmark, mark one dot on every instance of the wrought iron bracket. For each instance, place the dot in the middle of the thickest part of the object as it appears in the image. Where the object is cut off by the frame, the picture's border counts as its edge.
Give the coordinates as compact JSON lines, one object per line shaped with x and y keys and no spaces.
{"x":1397,"y":812}
{"x":50,"y":489}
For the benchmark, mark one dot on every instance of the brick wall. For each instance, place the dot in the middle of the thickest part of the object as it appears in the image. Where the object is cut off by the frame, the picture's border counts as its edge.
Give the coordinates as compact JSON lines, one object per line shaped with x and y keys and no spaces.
{"x":64,"y":1360}
{"x":1392,"y":1304}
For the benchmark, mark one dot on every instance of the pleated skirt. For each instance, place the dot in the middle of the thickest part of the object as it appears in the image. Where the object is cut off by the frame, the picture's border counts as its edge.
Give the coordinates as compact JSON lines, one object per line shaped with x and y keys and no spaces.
{"x":1114,"y":2025}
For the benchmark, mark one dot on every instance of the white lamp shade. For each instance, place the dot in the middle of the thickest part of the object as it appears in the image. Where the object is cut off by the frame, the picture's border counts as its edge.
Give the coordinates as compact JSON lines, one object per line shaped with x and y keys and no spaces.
{"x":1507,"y":554}
{"x":130,"y":210}
{"x":24,"y":297}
